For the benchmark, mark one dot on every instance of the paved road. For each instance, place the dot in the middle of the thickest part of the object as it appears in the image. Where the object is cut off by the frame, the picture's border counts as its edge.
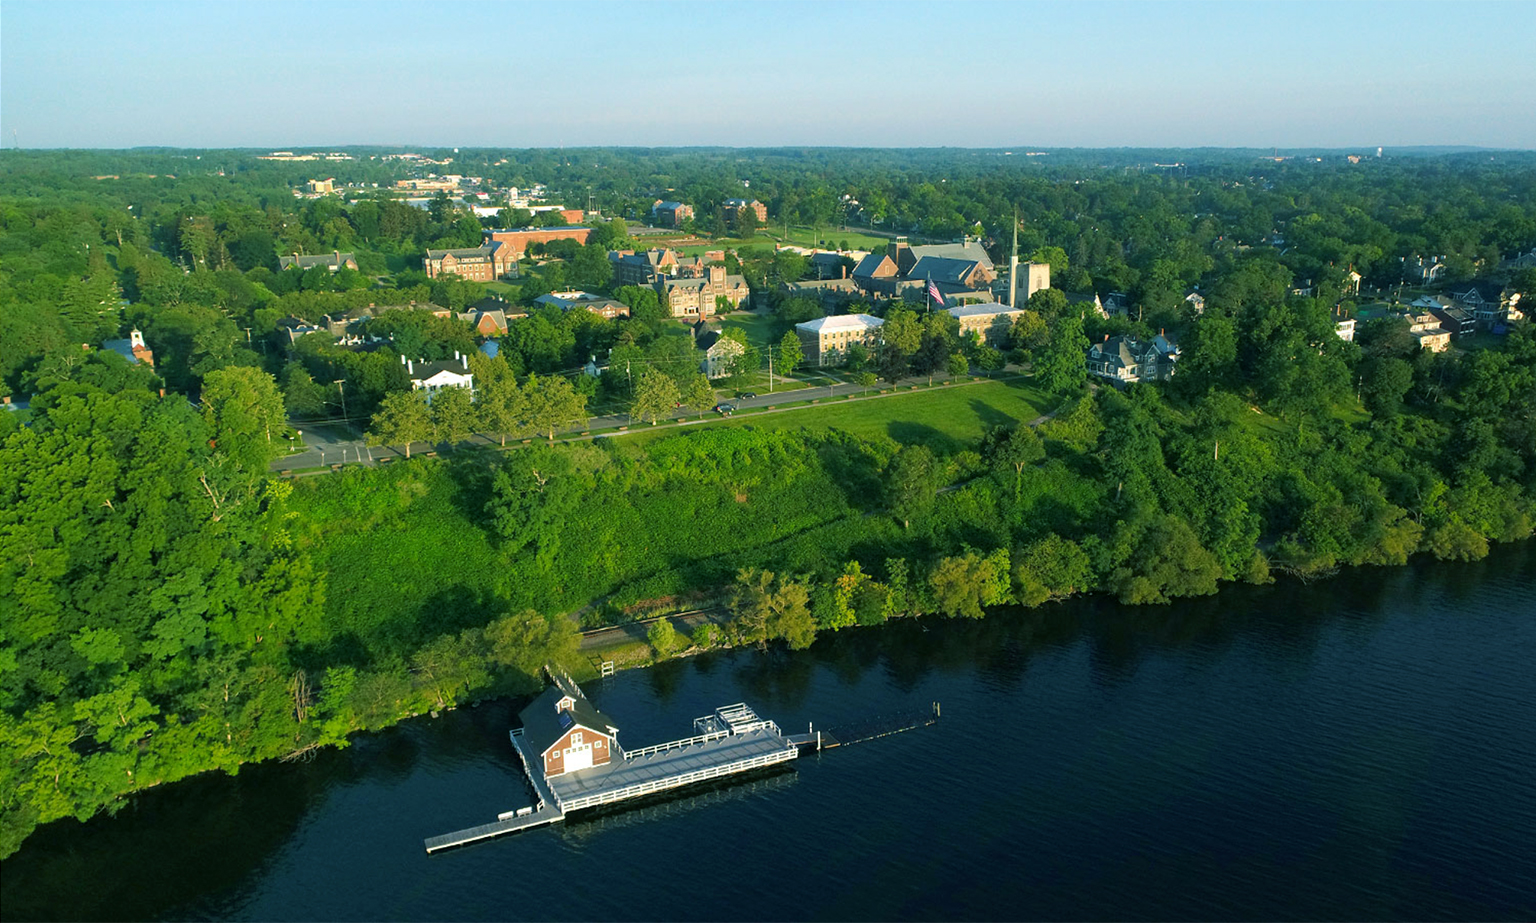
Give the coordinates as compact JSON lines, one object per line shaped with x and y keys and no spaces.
{"x":329,"y":447}
{"x":684,"y":622}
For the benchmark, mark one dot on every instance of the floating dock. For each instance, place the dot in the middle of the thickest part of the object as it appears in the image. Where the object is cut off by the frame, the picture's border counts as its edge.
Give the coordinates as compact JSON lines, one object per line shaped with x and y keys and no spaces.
{"x":732,"y":740}
{"x":571,"y":756}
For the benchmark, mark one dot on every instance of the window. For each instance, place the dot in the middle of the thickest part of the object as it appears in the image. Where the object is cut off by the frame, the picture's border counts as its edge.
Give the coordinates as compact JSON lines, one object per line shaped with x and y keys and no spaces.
{"x":576,"y":740}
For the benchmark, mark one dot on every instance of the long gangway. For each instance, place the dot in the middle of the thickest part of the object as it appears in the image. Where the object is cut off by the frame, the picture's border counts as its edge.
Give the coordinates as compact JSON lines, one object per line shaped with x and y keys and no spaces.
{"x":730,"y":741}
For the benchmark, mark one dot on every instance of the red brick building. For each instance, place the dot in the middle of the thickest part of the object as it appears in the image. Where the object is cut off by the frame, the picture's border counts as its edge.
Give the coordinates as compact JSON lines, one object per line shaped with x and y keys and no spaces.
{"x":671,"y":214}
{"x":732,"y":207}
{"x":519,"y":239}
{"x":481,"y":264}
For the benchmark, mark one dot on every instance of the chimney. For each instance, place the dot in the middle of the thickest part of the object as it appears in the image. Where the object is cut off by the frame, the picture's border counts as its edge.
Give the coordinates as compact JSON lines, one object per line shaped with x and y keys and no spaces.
{"x":410,"y":367}
{"x":338,"y":259}
{"x":402,"y":360}
{"x":465,"y":360}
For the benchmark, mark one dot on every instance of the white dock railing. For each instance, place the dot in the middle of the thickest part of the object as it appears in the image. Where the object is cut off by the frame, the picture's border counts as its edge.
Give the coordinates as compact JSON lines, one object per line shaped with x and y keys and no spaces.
{"x":675,"y":744}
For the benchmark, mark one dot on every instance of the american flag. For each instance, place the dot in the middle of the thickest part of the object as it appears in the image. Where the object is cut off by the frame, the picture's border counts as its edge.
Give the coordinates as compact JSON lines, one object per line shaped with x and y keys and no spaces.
{"x":934,"y":293}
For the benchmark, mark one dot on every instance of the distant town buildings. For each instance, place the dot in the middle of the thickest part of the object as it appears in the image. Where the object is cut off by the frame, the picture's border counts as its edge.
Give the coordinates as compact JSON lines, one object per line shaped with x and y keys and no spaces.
{"x":960,"y":269}
{"x":520,"y":239}
{"x":698,"y":297}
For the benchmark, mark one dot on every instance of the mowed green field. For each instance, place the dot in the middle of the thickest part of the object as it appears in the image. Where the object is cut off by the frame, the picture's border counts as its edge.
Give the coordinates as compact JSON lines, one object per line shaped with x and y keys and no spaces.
{"x":947,"y":420}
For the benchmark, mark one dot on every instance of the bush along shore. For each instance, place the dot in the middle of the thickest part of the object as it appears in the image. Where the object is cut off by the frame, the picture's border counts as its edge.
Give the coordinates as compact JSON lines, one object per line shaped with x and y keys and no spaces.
{"x":172,"y":609}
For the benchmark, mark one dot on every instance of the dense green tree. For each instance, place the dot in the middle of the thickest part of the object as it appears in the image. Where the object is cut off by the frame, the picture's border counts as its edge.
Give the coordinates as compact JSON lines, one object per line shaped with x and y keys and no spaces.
{"x":403,"y":418}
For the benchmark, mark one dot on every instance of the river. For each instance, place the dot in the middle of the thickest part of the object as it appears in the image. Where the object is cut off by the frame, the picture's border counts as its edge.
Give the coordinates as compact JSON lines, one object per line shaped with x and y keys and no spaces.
{"x":1357,"y":748}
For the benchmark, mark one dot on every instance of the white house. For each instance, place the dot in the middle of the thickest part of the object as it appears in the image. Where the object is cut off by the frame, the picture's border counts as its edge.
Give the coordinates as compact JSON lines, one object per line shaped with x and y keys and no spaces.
{"x":432,"y":377}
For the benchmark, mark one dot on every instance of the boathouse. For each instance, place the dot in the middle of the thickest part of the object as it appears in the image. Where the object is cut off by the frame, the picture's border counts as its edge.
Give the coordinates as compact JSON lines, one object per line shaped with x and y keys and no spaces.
{"x":566,"y":730}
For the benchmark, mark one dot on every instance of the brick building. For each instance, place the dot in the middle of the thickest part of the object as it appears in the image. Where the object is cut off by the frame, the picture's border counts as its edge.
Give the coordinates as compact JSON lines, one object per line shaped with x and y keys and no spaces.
{"x":671,"y":214}
{"x":732,"y":207}
{"x":481,"y":264}
{"x":697,"y":297}
{"x":519,"y":239}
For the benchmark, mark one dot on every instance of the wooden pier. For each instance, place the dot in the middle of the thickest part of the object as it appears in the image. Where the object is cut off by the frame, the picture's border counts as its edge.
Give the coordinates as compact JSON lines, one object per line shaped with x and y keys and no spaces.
{"x":730,"y":741}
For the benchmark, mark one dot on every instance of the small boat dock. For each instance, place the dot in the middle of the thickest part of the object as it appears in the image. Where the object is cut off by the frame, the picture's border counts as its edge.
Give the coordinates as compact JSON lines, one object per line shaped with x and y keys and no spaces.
{"x":573,"y":761}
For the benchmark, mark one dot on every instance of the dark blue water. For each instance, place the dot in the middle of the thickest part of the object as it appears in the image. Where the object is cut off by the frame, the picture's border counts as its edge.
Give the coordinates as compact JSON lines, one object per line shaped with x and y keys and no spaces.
{"x":1360,"y":748}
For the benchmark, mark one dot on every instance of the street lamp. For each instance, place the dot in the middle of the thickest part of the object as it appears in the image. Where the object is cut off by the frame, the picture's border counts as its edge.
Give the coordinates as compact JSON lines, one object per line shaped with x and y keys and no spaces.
{"x":343,"y":392}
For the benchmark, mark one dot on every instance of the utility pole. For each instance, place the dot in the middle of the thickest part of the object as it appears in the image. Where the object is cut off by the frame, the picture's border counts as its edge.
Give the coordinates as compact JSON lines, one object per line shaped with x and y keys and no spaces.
{"x":770,"y":369}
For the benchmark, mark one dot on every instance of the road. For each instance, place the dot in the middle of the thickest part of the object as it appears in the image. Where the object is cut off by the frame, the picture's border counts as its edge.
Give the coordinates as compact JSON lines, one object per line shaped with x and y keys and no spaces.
{"x":328,"y":445}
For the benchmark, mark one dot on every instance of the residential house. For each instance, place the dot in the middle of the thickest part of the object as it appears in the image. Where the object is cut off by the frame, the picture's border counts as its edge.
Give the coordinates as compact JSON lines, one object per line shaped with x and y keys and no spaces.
{"x":1126,"y":359}
{"x":1086,"y":301}
{"x":564,"y":730}
{"x":671,"y":214}
{"x":433,"y":377}
{"x":133,"y":348}
{"x":1352,"y":282}
{"x":1345,"y":329}
{"x":487,"y":323}
{"x":1430,"y":334}
{"x":698,"y":297}
{"x":1423,"y":271}
{"x":992,"y":322}
{"x":719,"y":353}
{"x":333,"y":261}
{"x":825,"y":341}
{"x":481,"y":264}
{"x":733,"y":207}
{"x":1116,"y":303}
{"x":1489,"y":303}
{"x":1196,"y":301}
{"x":597,"y":304}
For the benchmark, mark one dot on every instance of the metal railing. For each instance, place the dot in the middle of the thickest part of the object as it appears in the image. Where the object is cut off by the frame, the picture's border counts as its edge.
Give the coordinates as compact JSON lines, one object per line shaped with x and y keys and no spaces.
{"x":675,"y":744}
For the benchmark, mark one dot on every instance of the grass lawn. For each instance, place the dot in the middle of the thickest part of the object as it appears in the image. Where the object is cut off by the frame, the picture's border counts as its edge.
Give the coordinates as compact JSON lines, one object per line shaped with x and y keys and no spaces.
{"x":947,"y":420}
{"x":805,"y":237}
{"x":759,"y":328}
{"x":504,"y":289}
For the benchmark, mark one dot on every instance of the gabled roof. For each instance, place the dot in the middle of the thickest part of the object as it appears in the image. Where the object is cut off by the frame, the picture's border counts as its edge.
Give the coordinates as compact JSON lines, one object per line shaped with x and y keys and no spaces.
{"x":870,"y":265}
{"x":970,"y":250}
{"x":943,"y":269}
{"x":424,"y":371}
{"x":544,"y":724}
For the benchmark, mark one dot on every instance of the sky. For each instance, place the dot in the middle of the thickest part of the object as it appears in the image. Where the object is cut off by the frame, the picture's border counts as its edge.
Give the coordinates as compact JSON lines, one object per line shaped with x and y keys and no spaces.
{"x":893,"y":74}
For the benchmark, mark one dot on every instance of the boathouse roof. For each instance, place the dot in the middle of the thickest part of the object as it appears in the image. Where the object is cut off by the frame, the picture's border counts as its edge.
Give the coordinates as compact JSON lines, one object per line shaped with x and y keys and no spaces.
{"x":544,"y":722}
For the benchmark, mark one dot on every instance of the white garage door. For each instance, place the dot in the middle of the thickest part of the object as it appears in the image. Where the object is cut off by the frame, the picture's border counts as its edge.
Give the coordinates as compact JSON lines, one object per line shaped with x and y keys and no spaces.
{"x":578,"y":758}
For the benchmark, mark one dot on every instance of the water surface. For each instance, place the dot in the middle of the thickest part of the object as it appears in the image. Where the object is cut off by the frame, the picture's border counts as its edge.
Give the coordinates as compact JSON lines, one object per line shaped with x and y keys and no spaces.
{"x":1358,"y":748}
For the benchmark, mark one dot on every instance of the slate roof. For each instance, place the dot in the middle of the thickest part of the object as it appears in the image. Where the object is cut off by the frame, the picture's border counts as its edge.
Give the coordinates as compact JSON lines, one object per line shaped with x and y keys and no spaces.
{"x":543,"y":724}
{"x":425,"y":370}
{"x":462,"y":253}
{"x":972,"y":250}
{"x":943,"y":269}
{"x":869,"y":265}
{"x":975,"y":310}
{"x":306,"y":261}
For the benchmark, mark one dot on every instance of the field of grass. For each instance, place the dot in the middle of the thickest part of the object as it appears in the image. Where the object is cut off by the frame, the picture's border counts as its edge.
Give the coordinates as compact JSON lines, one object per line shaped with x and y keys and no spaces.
{"x":947,"y":420}
{"x":806,"y":237}
{"x":759,"y":328}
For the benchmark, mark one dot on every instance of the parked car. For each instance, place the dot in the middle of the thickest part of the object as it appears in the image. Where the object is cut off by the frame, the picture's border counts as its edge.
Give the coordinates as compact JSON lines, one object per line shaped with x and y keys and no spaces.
{"x":725,"y":410}
{"x":745,"y":395}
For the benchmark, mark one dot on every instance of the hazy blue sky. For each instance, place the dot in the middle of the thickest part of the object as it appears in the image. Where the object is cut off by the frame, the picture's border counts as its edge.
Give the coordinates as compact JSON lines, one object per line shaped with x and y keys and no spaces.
{"x":277,"y":74}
